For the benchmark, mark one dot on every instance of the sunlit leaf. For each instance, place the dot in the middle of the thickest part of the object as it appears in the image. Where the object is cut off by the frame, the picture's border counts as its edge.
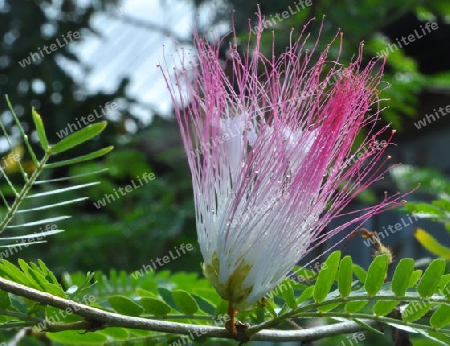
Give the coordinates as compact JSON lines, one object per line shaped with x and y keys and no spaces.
{"x":415,"y":277}
{"x":79,"y":137}
{"x":345,"y":276}
{"x":402,"y":276}
{"x":288,"y":296}
{"x":355,"y":306}
{"x":431,"y":244}
{"x":431,"y":278}
{"x":415,"y":310}
{"x":326,"y":276}
{"x":382,"y":308}
{"x":360,"y":273}
{"x":376,"y":274}
{"x":79,"y":159}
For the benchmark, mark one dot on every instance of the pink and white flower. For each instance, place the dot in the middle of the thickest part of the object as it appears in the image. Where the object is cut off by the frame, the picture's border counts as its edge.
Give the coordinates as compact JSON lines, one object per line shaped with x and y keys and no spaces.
{"x":270,"y":150}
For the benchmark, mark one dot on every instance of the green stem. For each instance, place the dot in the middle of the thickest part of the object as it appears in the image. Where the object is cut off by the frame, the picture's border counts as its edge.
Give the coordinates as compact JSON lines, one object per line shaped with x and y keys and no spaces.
{"x":20,"y":316}
{"x":340,"y":300}
{"x":10,"y":325}
{"x":60,"y":327}
{"x":24,"y":192}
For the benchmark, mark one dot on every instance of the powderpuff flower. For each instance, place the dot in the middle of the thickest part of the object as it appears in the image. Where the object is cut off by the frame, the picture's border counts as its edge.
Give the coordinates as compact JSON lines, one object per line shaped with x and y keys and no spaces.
{"x":270,"y":147}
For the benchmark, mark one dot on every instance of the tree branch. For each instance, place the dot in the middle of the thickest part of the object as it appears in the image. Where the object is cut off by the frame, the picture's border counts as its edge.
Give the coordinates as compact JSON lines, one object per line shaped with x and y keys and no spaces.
{"x":150,"y":26}
{"x":99,"y":319}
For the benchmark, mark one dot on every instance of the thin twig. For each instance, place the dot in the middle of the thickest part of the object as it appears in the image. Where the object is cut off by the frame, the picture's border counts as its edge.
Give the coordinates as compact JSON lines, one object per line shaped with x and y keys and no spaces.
{"x":98,"y":319}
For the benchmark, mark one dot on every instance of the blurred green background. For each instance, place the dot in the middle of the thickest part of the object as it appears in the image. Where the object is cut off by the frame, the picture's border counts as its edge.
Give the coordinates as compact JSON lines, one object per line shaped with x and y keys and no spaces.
{"x":115,"y":59}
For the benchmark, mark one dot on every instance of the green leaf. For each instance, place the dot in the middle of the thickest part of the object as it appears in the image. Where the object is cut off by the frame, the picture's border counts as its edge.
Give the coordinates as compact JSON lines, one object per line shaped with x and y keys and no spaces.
{"x":14,"y":273}
{"x":32,"y":276}
{"x":205,"y":305}
{"x":445,"y":279}
{"x":120,"y":334}
{"x":376,"y":274}
{"x":360,"y":273}
{"x":415,"y":310}
{"x":307,"y":294}
{"x":144,"y":293}
{"x":288,"y":296}
{"x":73,"y":337}
{"x":47,"y":272}
{"x":44,"y":285}
{"x":446,"y":290}
{"x":443,"y":204}
{"x":425,"y":210}
{"x":55,"y":290}
{"x":167,"y":297}
{"x":384,"y":307}
{"x":345,"y":277}
{"x":40,"y":129}
{"x":79,"y":137}
{"x":326,"y":276}
{"x":79,"y":159}
{"x":431,"y":278}
{"x":355,"y":306}
{"x":125,"y":306}
{"x":185,"y":302}
{"x":5,"y":300}
{"x":155,"y":306}
{"x":415,"y":277}
{"x":328,"y":307}
{"x":402,"y":276}
{"x":441,"y":317}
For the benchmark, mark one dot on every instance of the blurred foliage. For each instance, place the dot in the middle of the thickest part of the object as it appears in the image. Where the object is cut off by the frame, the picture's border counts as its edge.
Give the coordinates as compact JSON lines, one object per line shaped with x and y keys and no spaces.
{"x":340,"y":290}
{"x":134,"y":228}
{"x":435,"y":186}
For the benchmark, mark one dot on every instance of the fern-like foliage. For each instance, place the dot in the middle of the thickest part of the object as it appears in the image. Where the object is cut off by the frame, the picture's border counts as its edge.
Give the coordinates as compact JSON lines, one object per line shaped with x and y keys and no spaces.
{"x":16,"y":233}
{"x":414,"y":301}
{"x":438,"y":186}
